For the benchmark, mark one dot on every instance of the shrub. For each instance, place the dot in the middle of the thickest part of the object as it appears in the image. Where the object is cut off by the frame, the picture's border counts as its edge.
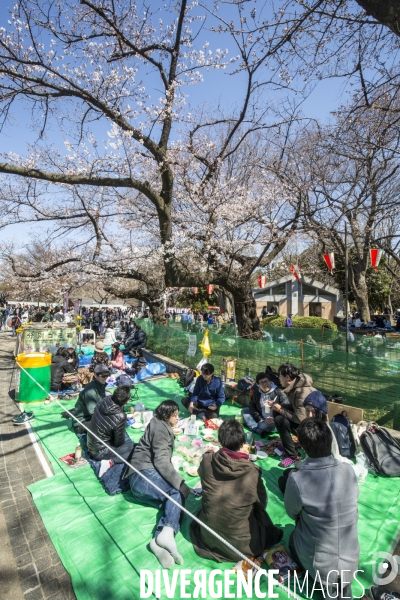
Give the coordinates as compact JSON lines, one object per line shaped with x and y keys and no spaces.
{"x":300,"y":322}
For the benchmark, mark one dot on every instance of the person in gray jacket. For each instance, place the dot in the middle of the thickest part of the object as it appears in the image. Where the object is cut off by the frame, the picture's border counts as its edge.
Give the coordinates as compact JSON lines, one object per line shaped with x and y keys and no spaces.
{"x":322,"y":500}
{"x":152,"y":457}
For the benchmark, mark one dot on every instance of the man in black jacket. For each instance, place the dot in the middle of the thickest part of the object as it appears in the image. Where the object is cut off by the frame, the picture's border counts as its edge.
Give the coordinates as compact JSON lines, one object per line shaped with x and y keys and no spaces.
{"x":109,"y":424}
{"x":137,"y":342}
{"x":258,"y":416}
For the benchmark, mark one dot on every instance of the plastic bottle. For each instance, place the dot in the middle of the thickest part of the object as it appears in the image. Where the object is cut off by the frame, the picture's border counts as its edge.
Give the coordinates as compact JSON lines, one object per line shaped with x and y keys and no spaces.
{"x":78,"y":452}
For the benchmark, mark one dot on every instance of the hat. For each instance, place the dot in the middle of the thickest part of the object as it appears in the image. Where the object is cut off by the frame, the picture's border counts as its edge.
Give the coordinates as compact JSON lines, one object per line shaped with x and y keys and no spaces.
{"x":142,"y":360}
{"x":317,"y":400}
{"x":101,"y":369}
{"x":124,"y":380}
{"x":69,"y":346}
{"x":99,"y":346}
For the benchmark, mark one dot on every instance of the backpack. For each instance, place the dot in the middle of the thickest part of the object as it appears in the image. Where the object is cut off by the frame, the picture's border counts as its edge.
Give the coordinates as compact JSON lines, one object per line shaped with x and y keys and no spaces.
{"x":341,"y":427}
{"x":382,"y":450}
{"x":244,"y":386}
{"x":186,"y":377}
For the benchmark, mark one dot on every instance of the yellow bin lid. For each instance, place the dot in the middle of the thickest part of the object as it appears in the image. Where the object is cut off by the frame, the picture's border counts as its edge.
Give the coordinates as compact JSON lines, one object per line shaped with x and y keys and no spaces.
{"x":34,"y":360}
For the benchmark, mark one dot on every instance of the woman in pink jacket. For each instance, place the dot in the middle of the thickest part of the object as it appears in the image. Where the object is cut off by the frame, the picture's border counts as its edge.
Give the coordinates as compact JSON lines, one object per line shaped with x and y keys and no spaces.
{"x":117,"y":358}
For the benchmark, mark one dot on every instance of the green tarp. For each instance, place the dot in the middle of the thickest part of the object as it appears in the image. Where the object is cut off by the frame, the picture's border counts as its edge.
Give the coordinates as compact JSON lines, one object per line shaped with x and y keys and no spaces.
{"x":103,"y":540}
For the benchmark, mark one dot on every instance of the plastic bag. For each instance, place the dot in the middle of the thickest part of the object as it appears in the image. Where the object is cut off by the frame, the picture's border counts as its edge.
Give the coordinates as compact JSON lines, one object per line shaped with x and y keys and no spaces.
{"x":361,"y":467}
{"x":149,"y":370}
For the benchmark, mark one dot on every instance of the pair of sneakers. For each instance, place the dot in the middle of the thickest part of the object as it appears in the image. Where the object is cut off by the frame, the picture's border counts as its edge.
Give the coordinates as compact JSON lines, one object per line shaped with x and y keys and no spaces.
{"x":376,"y":595}
{"x":23,"y":418}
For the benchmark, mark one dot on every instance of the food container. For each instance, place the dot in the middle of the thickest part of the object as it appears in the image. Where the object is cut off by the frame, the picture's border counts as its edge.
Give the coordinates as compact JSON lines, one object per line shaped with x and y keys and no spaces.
{"x":253,"y":457}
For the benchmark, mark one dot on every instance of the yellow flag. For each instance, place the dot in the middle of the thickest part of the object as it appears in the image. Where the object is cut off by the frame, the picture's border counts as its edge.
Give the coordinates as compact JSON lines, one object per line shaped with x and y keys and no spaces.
{"x":205,"y":345}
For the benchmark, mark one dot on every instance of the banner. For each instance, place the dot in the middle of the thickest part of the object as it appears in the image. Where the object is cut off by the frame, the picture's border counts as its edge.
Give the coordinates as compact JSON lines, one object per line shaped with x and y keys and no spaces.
{"x":76,"y":307}
{"x":48,"y":340}
{"x":330,"y":261}
{"x":192,"y":345}
{"x":295,"y":270}
{"x":375,"y":256}
{"x":262,"y":281}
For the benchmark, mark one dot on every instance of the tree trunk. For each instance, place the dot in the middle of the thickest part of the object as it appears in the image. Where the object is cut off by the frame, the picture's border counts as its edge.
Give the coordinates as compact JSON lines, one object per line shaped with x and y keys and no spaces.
{"x":157,"y":310}
{"x":360,"y":291}
{"x":386,"y":12}
{"x":246,"y":312}
{"x":225,"y":304}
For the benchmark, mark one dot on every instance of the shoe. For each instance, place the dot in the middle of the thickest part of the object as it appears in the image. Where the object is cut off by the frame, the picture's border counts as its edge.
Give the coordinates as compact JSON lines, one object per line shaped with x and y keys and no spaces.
{"x":376,"y":595}
{"x":289,"y":462}
{"x":24,"y":417}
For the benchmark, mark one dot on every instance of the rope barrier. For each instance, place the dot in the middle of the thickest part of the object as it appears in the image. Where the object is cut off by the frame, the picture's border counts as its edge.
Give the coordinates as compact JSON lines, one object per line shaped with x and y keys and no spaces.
{"x":192,"y":516}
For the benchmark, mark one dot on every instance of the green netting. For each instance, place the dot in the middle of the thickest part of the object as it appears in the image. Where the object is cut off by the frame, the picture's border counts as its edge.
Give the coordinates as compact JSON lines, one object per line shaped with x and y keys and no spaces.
{"x":367,"y":379}
{"x":103,"y":540}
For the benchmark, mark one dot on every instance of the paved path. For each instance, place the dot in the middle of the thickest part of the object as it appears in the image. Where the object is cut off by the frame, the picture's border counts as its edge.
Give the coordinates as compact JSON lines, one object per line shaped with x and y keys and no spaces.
{"x":30,"y":568}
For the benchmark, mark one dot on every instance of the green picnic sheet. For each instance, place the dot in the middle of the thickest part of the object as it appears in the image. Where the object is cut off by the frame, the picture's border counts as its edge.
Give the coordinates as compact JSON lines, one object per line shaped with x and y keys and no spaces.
{"x":103,"y":540}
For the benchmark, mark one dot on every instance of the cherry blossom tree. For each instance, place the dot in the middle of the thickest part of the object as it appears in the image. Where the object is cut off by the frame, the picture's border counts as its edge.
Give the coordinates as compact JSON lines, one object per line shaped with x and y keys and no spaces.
{"x":348,"y":172}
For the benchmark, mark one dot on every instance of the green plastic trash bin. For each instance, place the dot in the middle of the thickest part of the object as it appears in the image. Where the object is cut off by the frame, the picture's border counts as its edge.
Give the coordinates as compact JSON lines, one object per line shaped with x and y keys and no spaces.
{"x":38,"y":365}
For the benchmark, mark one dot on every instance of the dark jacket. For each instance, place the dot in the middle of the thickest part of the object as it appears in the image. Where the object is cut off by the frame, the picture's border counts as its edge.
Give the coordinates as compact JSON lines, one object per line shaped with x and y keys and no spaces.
{"x":154,"y":451}
{"x":296,"y":392}
{"x":88,"y":398}
{"x":137,"y":342}
{"x":207,"y":394}
{"x":59,"y":366}
{"x":234,"y":502}
{"x":322,"y":499}
{"x":108,"y":423}
{"x":255,"y":401}
{"x":75,"y":361}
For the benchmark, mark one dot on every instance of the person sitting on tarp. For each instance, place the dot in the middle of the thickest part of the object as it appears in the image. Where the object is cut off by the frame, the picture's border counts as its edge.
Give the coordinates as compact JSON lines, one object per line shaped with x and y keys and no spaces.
{"x":208,"y":395}
{"x":59,"y":367}
{"x":99,"y":357}
{"x":296,"y":387}
{"x":152,"y":457}
{"x":109,"y":337}
{"x":137,"y":342}
{"x":322,"y":500}
{"x":316,"y":408}
{"x":117,"y":358}
{"x":109,"y":424}
{"x":90,"y":396}
{"x":73,"y":358}
{"x":258,"y":415}
{"x":234,"y":501}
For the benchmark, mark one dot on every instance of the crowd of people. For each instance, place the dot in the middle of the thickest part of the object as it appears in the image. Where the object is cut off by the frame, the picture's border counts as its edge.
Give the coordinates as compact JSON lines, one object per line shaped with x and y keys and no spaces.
{"x":65,"y":362}
{"x":319,"y":493}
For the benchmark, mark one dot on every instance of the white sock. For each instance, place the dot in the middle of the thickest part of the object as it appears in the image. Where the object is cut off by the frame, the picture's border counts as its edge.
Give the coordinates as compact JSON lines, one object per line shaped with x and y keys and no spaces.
{"x":164,"y":557}
{"x":104,"y":466}
{"x":166,"y":539}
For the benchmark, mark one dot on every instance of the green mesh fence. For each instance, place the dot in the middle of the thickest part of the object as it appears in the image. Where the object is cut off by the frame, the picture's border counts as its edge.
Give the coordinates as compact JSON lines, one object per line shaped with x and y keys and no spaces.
{"x":368,"y":377}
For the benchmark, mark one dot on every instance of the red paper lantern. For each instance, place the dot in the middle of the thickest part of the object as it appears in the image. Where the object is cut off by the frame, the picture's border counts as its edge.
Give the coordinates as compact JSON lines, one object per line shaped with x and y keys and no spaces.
{"x":210,"y":288}
{"x":195,"y":290}
{"x":330,"y":261}
{"x":262,"y":281}
{"x":375,"y":256}
{"x":295,"y":270}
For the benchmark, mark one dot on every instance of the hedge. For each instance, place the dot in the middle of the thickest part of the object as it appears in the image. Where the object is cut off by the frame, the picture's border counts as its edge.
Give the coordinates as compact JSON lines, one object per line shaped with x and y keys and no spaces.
{"x":300,"y":322}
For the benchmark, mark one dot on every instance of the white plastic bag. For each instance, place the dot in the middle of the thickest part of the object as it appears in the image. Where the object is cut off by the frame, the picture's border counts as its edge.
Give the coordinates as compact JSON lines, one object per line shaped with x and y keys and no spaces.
{"x":361,"y":467}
